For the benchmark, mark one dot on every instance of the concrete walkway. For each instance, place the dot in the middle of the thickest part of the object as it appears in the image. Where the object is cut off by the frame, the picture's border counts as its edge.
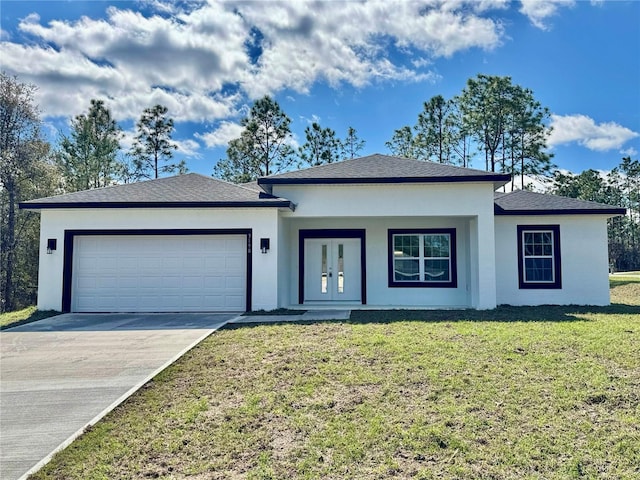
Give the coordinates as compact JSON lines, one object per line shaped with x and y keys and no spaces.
{"x":308,"y":316}
{"x":63,"y":373}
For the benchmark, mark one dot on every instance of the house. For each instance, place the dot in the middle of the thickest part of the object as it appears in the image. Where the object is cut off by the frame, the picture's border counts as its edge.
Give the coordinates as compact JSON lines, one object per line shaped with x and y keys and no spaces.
{"x":376,"y":231}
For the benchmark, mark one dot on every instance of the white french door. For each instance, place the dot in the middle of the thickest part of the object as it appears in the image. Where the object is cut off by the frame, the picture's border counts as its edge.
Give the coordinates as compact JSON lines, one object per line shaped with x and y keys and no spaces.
{"x":332,"y":270}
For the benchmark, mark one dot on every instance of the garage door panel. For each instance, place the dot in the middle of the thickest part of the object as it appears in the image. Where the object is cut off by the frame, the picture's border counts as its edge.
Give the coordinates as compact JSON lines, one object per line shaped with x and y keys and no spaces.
{"x":213,"y":243}
{"x":233,"y":303}
{"x":125,"y":283}
{"x":114,"y":273}
{"x":171,"y":282}
{"x":233,"y":282}
{"x":215,"y":263}
{"x":213,"y":282}
{"x":149,"y":263}
{"x":233,"y":263}
{"x":105,"y":263}
{"x":171,"y":262}
{"x":106,"y":282}
{"x":126,"y":264}
{"x":192,"y":283}
{"x":192,"y":262}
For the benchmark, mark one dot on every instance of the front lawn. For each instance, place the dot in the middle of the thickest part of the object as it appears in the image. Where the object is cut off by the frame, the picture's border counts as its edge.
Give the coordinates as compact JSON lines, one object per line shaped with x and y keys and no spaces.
{"x":553,"y":393}
{"x":26,"y":315}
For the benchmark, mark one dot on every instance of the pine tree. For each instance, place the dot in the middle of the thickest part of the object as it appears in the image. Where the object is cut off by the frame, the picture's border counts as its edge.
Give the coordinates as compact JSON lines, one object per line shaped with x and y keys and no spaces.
{"x":264,"y":145}
{"x":153,"y":145}
{"x":88,"y":155}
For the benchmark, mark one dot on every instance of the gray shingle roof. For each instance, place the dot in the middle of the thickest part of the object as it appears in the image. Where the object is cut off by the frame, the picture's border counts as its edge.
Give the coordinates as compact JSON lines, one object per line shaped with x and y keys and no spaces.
{"x":523,"y":202}
{"x":189,"y":190}
{"x":383,"y":169}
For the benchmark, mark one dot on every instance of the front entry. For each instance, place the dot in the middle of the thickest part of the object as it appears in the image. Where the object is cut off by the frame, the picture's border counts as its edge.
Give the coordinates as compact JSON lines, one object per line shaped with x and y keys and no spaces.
{"x":332,"y":270}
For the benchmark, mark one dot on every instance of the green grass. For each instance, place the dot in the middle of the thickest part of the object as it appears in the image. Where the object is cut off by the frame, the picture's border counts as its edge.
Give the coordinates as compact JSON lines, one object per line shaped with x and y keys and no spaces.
{"x":529,"y":393}
{"x":26,"y":315}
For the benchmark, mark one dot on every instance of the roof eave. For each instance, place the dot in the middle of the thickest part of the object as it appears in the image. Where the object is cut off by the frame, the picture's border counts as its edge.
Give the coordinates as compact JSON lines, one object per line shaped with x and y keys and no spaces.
{"x":497,"y":179}
{"x":242,"y":204}
{"x":612,"y":212}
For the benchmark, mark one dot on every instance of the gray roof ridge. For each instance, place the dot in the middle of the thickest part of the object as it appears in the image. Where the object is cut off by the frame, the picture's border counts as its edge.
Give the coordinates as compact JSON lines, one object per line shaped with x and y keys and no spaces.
{"x":347,"y":160}
{"x":588,"y":202}
{"x":344,"y":160}
{"x":314,"y":167}
{"x":527,"y":202}
{"x":216,"y":179}
{"x":94,"y":189}
{"x":116,"y":185}
{"x":458,"y":167}
{"x":249,"y":189}
{"x":238,"y":185}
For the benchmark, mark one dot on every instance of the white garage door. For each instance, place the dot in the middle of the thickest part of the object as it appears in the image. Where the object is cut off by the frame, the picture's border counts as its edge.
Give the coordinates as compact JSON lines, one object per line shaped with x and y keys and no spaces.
{"x":159,"y":273}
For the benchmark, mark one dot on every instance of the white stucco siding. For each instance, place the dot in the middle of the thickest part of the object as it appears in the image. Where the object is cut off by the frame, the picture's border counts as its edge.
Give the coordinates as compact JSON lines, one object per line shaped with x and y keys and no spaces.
{"x":468,"y":207}
{"x":584,"y":261}
{"x":388,"y":200}
{"x":284,"y":263}
{"x":262,"y":222}
{"x":377,"y":254}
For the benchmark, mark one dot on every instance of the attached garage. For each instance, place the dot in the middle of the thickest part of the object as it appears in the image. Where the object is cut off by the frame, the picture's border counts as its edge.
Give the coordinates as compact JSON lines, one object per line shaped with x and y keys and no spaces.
{"x":160,"y":272}
{"x":178,"y":244}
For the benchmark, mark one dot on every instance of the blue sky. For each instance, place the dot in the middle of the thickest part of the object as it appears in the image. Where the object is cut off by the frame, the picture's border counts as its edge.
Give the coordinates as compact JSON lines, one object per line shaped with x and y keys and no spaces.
{"x":367,"y":65}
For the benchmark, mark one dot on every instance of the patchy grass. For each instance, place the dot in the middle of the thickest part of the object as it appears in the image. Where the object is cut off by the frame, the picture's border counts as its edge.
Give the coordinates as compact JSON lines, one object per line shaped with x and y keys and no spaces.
{"x":552,"y":393}
{"x":625,"y":290}
{"x":26,"y":315}
{"x":620,"y":295}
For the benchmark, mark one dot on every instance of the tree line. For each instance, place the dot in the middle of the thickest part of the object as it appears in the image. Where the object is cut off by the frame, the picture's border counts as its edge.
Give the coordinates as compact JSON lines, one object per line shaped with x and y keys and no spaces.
{"x":620,"y":187}
{"x":265,"y":145}
{"x":491,"y":118}
{"x":90,"y":156}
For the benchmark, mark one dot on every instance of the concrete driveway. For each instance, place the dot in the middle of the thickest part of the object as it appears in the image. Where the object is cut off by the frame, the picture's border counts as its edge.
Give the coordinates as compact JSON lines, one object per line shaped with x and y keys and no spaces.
{"x":60,"y":374}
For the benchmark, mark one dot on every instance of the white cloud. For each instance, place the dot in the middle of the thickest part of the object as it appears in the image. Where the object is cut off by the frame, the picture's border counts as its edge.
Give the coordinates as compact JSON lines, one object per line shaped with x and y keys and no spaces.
{"x":309,"y":120}
{"x":127,"y":139}
{"x":537,"y":183}
{"x":305,"y":42}
{"x":629,"y":152}
{"x":421,"y":62}
{"x":539,"y":10}
{"x":190,"y":56}
{"x":221,"y":136}
{"x":188,"y":147}
{"x":586,"y":132}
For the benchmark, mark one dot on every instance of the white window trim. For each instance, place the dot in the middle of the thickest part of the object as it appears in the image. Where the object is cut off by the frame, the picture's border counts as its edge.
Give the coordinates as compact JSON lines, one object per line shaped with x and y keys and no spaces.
{"x":525,"y":257}
{"x":556,"y":256}
{"x":451,"y":282}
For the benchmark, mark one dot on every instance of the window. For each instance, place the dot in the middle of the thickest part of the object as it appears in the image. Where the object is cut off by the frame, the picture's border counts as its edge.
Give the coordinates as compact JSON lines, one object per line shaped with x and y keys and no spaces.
{"x":539,"y":256}
{"x":422,"y":258}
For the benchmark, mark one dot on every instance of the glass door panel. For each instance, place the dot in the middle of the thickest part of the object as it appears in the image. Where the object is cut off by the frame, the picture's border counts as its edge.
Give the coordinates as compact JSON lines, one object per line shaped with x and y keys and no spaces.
{"x":332,"y":270}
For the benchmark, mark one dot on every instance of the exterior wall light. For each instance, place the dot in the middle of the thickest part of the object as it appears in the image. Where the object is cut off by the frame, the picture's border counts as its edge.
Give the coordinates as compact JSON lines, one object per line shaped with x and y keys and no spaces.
{"x":52,"y":244}
{"x":264,"y":245}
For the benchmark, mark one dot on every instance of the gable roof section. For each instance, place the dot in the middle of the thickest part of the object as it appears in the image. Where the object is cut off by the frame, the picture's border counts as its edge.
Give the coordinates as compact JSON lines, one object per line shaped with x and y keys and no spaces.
{"x":523,"y":202}
{"x":189,"y":190}
{"x":383,"y":169}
